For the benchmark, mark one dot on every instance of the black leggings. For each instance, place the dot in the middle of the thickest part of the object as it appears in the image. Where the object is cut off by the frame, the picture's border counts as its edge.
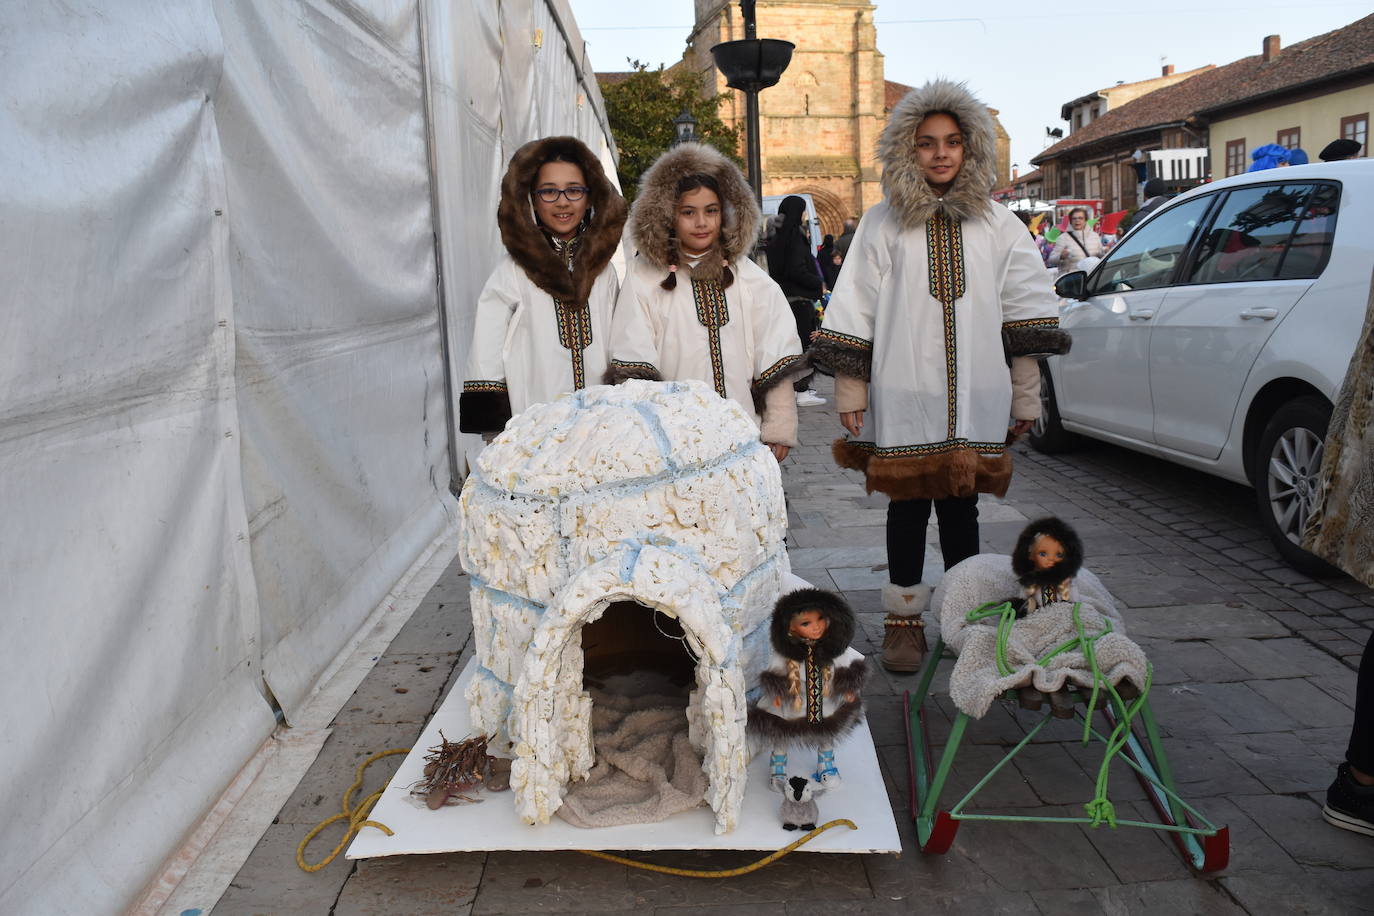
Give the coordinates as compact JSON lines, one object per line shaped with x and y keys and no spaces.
{"x":906,"y":534}
{"x":1360,"y":754}
{"x":804,"y":313}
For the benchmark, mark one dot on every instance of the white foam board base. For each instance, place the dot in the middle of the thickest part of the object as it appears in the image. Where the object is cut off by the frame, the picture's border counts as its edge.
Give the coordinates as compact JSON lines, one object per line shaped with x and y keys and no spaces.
{"x":493,"y":824}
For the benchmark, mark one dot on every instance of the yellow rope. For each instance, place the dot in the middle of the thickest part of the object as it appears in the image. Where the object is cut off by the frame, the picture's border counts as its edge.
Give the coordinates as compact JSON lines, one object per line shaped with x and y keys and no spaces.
{"x":727,"y":873}
{"x":356,"y":817}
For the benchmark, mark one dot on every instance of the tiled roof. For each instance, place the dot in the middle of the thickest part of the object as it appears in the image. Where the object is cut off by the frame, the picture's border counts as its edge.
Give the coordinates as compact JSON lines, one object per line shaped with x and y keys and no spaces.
{"x":1339,"y":53}
{"x":893,"y":92}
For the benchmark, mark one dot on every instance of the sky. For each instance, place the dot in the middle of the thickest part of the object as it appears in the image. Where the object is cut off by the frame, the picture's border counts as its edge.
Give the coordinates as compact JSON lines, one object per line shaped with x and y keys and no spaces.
{"x":1024,"y":60}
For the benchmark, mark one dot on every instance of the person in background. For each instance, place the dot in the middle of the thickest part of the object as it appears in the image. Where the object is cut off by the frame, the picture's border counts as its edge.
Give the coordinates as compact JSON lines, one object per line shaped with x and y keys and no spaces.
{"x":1268,"y":156}
{"x":1340,"y":150}
{"x":1155,"y":193}
{"x":1297,"y":156}
{"x":830,"y":268}
{"x":793,"y":267}
{"x":847,"y":236}
{"x":1077,"y":242}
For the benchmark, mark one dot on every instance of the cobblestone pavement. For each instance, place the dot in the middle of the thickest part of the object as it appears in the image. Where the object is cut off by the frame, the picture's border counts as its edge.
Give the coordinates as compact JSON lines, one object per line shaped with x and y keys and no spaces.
{"x":1254,"y":679}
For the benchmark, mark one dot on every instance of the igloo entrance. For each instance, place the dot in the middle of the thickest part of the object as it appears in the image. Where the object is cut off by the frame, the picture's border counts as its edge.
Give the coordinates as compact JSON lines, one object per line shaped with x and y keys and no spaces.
{"x":629,"y":641}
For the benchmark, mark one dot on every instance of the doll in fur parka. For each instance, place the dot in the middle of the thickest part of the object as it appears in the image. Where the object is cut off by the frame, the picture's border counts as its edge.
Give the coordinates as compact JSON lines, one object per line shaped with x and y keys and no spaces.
{"x":1047,"y":556}
{"x":810,"y":691}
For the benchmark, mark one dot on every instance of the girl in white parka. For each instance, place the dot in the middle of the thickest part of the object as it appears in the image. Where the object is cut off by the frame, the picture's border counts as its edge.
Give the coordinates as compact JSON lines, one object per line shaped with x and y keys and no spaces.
{"x":543,"y":319}
{"x":932,"y":332}
{"x":693,"y":306}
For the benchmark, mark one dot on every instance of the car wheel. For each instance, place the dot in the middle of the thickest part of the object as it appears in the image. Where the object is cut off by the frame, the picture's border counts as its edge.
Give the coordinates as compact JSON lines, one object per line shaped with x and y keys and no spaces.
{"x":1287,"y":467}
{"x":1047,"y":434}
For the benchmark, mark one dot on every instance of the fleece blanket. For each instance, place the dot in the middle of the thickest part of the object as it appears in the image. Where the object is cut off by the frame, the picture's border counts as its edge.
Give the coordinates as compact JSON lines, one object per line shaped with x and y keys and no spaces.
{"x":977,"y":680}
{"x":646,"y":769}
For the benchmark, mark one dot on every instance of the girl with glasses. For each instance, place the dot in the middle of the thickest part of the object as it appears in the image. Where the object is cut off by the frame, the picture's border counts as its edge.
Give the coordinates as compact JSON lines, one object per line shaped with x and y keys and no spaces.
{"x":544,"y":317}
{"x":694,"y":306}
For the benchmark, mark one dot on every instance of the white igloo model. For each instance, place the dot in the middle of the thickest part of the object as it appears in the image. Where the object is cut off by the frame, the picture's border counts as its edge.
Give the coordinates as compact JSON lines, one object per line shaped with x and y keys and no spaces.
{"x":655,"y":493}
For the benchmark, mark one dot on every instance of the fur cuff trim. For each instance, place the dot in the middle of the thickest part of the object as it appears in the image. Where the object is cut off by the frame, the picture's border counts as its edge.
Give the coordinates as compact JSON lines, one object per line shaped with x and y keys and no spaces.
{"x":906,"y":600}
{"x":958,"y":472}
{"x":841,"y":354}
{"x":850,"y":678}
{"x":483,"y":410}
{"x":618,"y":372}
{"x":1020,"y":340}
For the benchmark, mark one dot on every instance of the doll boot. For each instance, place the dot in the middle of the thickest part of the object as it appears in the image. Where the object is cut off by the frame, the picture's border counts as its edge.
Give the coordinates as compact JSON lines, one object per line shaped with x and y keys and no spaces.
{"x":904,"y":635}
{"x":826,"y":772}
{"x":777,"y":775}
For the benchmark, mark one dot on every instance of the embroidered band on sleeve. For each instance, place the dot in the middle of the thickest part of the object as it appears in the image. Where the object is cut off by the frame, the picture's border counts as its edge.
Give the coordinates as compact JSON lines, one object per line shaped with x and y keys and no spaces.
{"x":844,"y":340}
{"x":485,"y":385}
{"x":1052,"y":322}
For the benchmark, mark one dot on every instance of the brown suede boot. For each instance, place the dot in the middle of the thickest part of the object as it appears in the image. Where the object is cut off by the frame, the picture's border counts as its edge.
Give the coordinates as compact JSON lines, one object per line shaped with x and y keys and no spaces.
{"x":904,"y":635}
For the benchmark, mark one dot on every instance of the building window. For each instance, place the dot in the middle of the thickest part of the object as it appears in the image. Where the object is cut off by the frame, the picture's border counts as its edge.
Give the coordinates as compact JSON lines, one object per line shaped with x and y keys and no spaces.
{"x":1356,"y":127}
{"x":1289,"y":137}
{"x":1235,"y":157}
{"x":1078,"y":119}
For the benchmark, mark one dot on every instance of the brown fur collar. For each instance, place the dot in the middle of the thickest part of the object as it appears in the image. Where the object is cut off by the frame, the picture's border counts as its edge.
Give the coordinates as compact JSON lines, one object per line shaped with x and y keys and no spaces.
{"x":651,"y":223}
{"x":904,"y":184}
{"x":526,"y":242}
{"x":961,"y":472}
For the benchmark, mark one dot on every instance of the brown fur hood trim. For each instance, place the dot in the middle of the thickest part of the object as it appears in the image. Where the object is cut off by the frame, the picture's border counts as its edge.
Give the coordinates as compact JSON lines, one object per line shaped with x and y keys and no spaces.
{"x":651,"y":222}
{"x":904,"y":184}
{"x":526,"y":242}
{"x":837,"y":636}
{"x":961,"y":472}
{"x":1067,"y":568}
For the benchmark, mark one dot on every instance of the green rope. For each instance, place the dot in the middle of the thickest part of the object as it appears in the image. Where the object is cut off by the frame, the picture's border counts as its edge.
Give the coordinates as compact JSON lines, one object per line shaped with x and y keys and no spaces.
{"x":1100,"y":808}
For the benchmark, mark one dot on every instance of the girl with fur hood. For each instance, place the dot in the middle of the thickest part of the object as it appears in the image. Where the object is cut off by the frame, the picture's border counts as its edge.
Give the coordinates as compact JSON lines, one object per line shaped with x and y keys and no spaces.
{"x":931,"y":332}
{"x":694,"y":306}
{"x":544,"y":318}
{"x":809,"y":693}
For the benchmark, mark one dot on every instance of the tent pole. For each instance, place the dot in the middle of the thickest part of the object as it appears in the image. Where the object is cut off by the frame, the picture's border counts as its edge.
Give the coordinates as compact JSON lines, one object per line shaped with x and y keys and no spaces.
{"x":455,"y":474}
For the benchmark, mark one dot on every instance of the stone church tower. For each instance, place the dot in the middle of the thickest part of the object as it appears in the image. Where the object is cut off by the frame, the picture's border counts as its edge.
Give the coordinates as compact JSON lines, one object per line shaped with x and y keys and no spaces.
{"x":819,"y":127}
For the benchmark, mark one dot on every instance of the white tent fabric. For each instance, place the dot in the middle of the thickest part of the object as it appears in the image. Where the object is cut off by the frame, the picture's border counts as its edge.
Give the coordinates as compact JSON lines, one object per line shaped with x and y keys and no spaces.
{"x":223,"y":428}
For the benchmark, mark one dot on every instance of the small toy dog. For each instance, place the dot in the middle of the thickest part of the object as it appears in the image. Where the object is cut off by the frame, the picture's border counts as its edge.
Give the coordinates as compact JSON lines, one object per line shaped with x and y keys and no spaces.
{"x":799,"y":809}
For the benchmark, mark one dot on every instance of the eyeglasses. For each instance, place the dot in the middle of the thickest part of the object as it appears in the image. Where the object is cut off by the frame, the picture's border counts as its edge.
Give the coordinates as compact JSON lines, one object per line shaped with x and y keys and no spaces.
{"x":549,"y":195}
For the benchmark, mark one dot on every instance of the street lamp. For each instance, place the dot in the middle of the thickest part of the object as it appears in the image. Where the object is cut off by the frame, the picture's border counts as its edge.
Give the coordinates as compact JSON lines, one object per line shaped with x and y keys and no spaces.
{"x":684,"y":128}
{"x":752,"y":65}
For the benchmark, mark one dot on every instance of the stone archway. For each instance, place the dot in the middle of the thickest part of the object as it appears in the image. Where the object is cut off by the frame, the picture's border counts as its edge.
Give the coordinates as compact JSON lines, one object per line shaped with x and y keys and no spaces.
{"x":830,"y":210}
{"x":550,"y":720}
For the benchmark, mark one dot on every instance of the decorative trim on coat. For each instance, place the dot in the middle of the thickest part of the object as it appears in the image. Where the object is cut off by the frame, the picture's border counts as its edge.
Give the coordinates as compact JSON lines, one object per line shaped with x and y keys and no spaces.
{"x":842,"y":354}
{"x":1035,"y":337}
{"x":483,"y":407}
{"x":622,"y":371}
{"x":935,"y":471}
{"x":713,"y":311}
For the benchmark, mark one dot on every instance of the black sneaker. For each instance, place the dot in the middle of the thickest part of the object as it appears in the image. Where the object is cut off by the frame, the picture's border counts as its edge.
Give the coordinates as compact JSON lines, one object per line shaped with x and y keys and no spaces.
{"x":1349,"y":805}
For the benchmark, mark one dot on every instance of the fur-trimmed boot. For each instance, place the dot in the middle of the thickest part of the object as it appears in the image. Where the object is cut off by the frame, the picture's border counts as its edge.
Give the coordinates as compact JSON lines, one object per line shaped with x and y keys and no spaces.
{"x":904,"y":634}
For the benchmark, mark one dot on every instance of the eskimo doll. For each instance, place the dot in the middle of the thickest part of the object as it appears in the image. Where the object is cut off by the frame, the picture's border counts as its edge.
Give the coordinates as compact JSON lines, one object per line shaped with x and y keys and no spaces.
{"x":810,"y":691}
{"x":693,"y":306}
{"x":543,"y":320}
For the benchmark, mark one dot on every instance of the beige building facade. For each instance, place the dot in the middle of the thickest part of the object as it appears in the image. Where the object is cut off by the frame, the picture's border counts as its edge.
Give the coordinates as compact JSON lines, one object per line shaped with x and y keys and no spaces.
{"x":1310,"y":123}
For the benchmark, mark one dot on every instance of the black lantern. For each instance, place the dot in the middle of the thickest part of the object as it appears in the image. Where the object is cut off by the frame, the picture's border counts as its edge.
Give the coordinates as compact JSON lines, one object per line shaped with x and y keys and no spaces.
{"x":751,"y":65}
{"x":684,"y":128}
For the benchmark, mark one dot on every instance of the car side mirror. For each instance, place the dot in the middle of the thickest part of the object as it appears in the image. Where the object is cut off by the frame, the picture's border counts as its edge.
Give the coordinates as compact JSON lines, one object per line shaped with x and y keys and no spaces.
{"x":1073,"y":285}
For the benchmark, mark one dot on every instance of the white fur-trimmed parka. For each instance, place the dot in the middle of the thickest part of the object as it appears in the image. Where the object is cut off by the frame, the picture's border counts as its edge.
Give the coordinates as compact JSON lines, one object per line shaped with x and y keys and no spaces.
{"x":938,"y":294}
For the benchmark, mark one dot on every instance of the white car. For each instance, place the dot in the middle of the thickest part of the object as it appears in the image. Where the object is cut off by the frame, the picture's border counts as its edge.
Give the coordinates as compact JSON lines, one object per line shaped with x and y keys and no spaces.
{"x":1218,"y":332}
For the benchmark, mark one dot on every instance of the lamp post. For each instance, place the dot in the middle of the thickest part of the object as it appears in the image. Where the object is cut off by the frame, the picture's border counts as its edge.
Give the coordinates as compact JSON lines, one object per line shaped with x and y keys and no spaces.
{"x":752,"y":65}
{"x":684,"y":128}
